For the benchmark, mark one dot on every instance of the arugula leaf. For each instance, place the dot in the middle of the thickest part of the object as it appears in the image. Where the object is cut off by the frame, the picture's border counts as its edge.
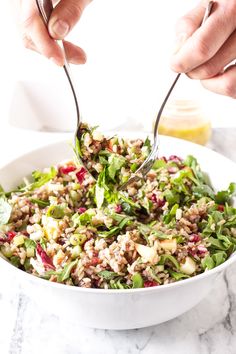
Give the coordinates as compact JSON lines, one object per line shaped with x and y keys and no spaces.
{"x":203,"y":190}
{"x":169,"y":216}
{"x":208,"y":263}
{"x":217,"y":244}
{"x":171,"y":197}
{"x":78,"y":148}
{"x":219,"y":258}
{"x":65,"y":274}
{"x":100,"y":188}
{"x":40,"y":178}
{"x":83,"y":219}
{"x":192,"y":162}
{"x":56,"y":211}
{"x":109,"y":233}
{"x":177,"y":276}
{"x":137,"y":281}
{"x":117,"y":284}
{"x":115,"y":163}
{"x":40,"y":203}
{"x":168,"y":257}
{"x":159,"y":164}
{"x":223,"y":197}
{"x":107,"y":275}
{"x":5,"y":211}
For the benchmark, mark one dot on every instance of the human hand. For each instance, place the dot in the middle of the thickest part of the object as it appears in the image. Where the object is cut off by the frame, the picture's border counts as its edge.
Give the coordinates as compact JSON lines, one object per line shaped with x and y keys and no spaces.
{"x":204,"y":53}
{"x":63,"y":18}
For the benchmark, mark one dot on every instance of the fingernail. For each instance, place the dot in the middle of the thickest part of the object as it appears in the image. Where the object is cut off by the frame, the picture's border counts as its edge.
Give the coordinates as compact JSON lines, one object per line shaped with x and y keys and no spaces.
{"x":181,"y":38}
{"x":60,"y":28}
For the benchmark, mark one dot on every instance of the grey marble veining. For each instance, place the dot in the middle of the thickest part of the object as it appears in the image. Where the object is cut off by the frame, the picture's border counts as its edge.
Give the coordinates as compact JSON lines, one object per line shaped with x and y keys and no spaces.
{"x":209,"y":328}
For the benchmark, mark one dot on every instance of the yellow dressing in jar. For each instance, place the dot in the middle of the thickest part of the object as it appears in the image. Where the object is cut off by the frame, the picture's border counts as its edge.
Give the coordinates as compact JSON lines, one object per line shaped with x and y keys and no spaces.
{"x":185,"y":119}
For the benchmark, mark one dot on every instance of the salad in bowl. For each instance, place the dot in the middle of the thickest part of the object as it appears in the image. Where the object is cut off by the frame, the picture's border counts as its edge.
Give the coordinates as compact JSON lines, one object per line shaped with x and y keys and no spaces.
{"x":73,"y":225}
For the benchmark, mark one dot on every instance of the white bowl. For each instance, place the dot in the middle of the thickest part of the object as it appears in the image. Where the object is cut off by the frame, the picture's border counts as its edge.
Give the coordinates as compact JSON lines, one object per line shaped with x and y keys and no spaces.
{"x":119,"y":309}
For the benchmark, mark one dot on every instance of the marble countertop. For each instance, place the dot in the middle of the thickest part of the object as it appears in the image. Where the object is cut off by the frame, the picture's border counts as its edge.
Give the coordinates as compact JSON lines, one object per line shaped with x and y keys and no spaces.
{"x":209,"y":328}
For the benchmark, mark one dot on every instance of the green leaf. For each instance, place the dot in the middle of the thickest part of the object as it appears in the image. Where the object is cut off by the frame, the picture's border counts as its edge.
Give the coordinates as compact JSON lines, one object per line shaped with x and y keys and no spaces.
{"x":107,"y":275}
{"x":78,"y":148}
{"x":65,"y":274}
{"x":40,"y":203}
{"x":56,"y":212}
{"x":217,"y":244}
{"x":27,"y":264}
{"x":147,"y":143}
{"x":5,"y":211}
{"x":29,"y":243}
{"x":133,"y":167}
{"x":100,"y":188}
{"x":177,"y":276}
{"x":159,"y":164}
{"x":219,"y":258}
{"x":223,"y":197}
{"x":169,"y":216}
{"x":103,"y":161}
{"x":115,"y":164}
{"x":137,"y":281}
{"x":203,"y":190}
{"x":117,"y":284}
{"x":232,"y":189}
{"x":208,"y":263}
{"x":194,"y":165}
{"x":109,"y":233}
{"x":41,"y":178}
{"x":167,"y":257}
{"x":171,"y":197}
{"x":15,"y":260}
{"x":83,"y":219}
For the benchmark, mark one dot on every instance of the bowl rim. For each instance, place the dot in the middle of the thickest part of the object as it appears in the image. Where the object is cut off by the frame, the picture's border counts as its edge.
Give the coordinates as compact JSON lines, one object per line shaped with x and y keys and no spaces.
{"x":198,"y":277}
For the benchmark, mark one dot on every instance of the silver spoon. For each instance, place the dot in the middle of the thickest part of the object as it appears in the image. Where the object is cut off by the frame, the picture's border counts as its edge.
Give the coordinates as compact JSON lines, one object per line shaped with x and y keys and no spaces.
{"x":148,"y":163}
{"x":45,"y":8}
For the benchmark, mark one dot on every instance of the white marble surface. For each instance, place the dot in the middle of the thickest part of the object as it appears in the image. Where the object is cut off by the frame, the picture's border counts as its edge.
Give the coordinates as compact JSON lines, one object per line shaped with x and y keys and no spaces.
{"x":209,"y":328}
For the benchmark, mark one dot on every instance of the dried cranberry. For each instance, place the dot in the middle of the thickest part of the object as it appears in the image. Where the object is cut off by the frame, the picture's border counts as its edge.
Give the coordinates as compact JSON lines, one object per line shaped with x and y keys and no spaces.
{"x":220,"y":208}
{"x":95,"y":261}
{"x":118,"y":208}
{"x":175,"y":159}
{"x":192,"y":252}
{"x":201,"y":250}
{"x":150,"y":283}
{"x":172,"y":170}
{"x":67,"y":169}
{"x":46,"y":260}
{"x":159,"y":202}
{"x":10,"y":235}
{"x":81,"y":174}
{"x":81,"y":210}
{"x":195,"y":238}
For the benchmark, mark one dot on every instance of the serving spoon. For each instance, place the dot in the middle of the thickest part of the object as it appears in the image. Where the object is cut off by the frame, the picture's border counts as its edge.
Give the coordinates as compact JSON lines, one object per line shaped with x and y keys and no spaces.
{"x":45,"y":8}
{"x":148,"y":163}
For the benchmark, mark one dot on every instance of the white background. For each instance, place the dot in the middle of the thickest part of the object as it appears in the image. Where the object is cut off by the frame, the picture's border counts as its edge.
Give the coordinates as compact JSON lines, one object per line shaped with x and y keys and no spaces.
{"x":128,"y":44}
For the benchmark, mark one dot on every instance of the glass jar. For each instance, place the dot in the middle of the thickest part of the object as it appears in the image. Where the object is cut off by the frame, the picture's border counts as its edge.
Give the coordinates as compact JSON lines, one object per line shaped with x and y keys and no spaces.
{"x":185,"y":119}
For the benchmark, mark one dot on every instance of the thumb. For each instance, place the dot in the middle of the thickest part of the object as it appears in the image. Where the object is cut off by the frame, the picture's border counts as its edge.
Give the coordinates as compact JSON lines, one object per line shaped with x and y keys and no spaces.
{"x":65,"y":16}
